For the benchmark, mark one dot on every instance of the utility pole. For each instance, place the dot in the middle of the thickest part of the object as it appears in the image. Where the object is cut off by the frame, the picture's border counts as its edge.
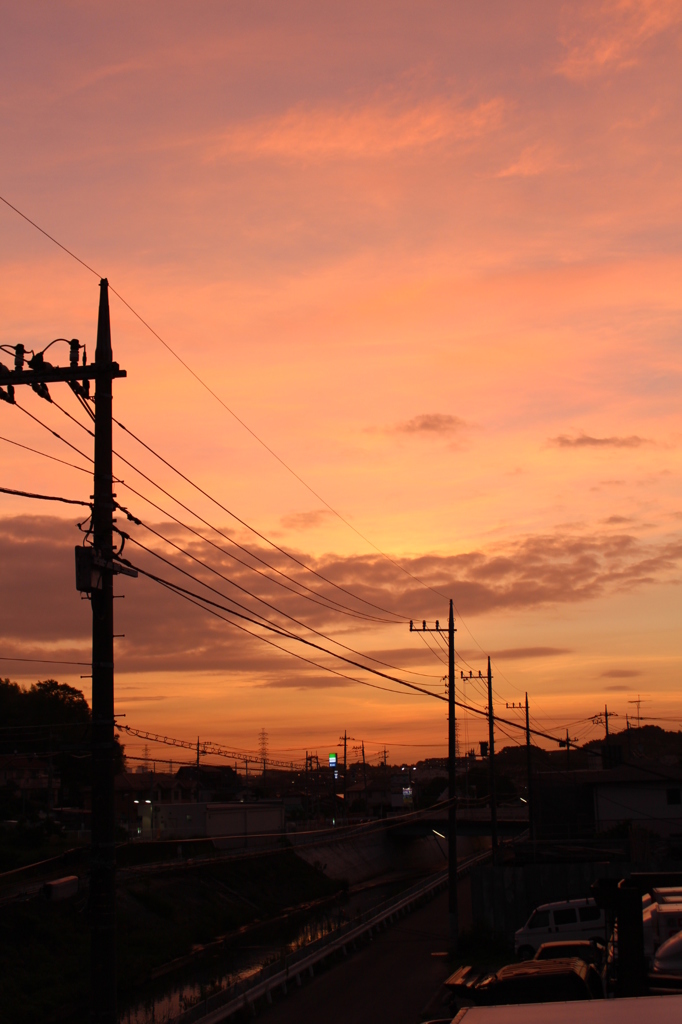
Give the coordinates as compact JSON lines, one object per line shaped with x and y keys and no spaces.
{"x":345,"y":741}
{"x":531,"y":821}
{"x":453,"y":909}
{"x":491,"y":762}
{"x":364,"y":774}
{"x":568,"y":752}
{"x":606,"y":722}
{"x":103,"y":856}
{"x":96,"y":566}
{"x":452,"y":785}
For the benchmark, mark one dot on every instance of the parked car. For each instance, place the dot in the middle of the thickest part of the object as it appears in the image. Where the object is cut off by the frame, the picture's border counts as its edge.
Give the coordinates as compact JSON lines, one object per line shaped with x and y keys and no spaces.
{"x":535,"y":981}
{"x":589,"y":950}
{"x":668,"y":959}
{"x":558,"y":922}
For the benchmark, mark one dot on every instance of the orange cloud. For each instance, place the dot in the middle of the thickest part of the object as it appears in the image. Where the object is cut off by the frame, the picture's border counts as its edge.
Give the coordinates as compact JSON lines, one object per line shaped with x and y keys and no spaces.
{"x":366,"y":133}
{"x":605,"y":38}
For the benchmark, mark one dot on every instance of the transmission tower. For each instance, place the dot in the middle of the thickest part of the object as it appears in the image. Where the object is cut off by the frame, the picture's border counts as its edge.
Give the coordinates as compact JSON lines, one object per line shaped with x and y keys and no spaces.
{"x":263,"y":747}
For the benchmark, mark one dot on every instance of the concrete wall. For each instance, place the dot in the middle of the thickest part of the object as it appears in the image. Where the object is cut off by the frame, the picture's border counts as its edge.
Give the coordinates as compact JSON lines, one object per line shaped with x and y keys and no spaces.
{"x":361,"y":858}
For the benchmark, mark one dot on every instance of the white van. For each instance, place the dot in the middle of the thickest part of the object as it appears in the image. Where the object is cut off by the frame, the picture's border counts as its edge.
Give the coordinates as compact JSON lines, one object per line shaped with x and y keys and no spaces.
{"x":556,"y":922}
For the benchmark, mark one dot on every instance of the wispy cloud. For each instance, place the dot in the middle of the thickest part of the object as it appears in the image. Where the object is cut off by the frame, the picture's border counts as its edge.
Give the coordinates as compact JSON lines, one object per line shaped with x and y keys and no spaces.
{"x":521,"y":653}
{"x":533,"y":161}
{"x":431,"y":423}
{"x":620,"y":673}
{"x":306,"y":520}
{"x":374,"y":130}
{"x":606,"y":37}
{"x":588,"y":441}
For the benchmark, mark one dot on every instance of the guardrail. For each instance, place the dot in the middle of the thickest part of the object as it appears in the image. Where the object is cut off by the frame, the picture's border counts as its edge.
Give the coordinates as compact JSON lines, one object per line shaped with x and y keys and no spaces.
{"x":222,"y":1005}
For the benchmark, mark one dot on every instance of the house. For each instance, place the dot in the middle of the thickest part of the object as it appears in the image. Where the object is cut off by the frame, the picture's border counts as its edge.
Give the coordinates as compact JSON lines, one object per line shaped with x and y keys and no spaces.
{"x":580,"y":804}
{"x":30,"y":778}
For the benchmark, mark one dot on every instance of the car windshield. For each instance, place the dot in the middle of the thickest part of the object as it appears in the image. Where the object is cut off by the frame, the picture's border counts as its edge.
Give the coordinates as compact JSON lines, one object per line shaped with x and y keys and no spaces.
{"x":540,"y":919}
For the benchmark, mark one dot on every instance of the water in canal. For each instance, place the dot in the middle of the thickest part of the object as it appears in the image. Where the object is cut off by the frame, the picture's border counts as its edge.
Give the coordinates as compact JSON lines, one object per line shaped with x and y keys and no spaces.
{"x":170,"y":996}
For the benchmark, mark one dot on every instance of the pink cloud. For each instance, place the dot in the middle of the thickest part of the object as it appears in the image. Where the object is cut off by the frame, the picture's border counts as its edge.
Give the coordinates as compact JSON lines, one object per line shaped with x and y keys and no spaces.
{"x":609,"y":37}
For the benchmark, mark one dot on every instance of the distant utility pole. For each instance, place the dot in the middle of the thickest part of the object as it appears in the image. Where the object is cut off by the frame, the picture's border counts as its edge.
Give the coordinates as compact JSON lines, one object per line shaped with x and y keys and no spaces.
{"x":345,"y":745}
{"x":491,"y":763}
{"x":453,"y":908}
{"x":639,"y":702}
{"x":263,"y":747}
{"x":531,"y":819}
{"x":96,"y":566}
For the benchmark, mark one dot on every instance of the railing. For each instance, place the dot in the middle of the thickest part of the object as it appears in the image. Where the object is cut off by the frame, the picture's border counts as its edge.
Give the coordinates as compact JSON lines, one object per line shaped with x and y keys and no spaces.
{"x":222,"y":1005}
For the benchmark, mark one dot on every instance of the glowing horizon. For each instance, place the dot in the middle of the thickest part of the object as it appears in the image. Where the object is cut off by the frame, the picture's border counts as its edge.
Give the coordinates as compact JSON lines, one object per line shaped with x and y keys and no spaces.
{"x":432,"y":259}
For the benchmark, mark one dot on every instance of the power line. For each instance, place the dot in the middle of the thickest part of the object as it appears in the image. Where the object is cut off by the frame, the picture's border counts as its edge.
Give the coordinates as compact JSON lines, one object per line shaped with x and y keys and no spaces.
{"x":241,"y":547}
{"x":242,"y":423}
{"x":202,"y":602}
{"x":256,"y":437}
{"x":72,"y":465}
{"x":244,"y":590}
{"x":50,"y":430}
{"x":243,"y":522}
{"x":43,"y":497}
{"x":46,"y":661}
{"x":52,"y":239}
{"x":325,"y":668}
{"x":280,"y":631}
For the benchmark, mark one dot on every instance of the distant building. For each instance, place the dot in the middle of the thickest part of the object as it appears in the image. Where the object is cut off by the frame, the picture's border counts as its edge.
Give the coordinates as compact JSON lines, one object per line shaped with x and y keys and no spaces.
{"x":581,"y":804}
{"x":31,"y":778}
{"x":190,"y":803}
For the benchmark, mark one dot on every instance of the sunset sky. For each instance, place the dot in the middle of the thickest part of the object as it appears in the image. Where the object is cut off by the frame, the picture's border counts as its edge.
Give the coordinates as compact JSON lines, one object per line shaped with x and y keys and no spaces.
{"x":431,"y":255}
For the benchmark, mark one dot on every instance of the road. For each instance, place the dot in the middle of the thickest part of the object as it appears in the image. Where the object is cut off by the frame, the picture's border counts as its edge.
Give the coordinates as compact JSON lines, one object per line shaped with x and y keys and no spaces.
{"x":388,"y":981}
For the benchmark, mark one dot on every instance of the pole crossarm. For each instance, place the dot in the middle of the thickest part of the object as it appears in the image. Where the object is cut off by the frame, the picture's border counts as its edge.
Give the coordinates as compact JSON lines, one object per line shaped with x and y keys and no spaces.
{"x":55,"y":374}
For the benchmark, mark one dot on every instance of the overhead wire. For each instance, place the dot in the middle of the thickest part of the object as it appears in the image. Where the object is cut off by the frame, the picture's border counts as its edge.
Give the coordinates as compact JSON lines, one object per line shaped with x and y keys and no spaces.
{"x":72,"y":465}
{"x":266,"y":624}
{"x":44,"y":497}
{"x":274,"y":608}
{"x":210,"y":606}
{"x":243,"y":522}
{"x":356,"y":613}
{"x":232,"y":413}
